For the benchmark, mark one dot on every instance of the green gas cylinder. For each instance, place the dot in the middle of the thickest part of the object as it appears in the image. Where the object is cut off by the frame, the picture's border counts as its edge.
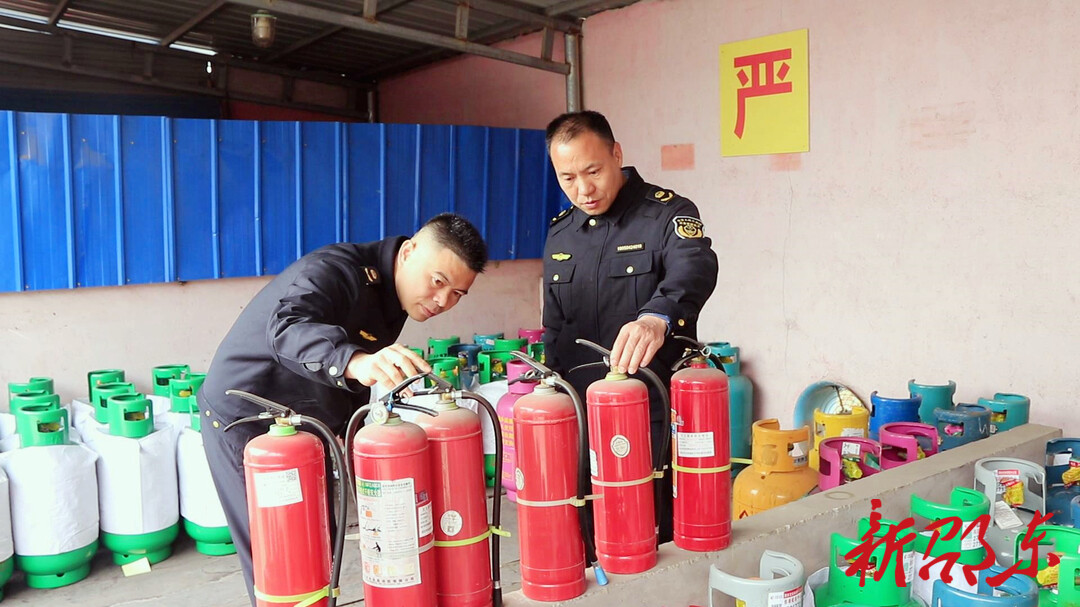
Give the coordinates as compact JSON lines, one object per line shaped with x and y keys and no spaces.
{"x":99,"y":397}
{"x":7,"y":566}
{"x":182,"y":391}
{"x":102,"y":376}
{"x":131,"y":416}
{"x":863,"y":588}
{"x":163,"y":373}
{"x":1058,"y":585}
{"x":965,"y":506}
{"x":447,"y":368}
{"x":43,"y":384}
{"x":37,"y":399}
{"x":46,"y":427}
{"x":194,"y":481}
{"x":493,"y":365}
{"x":439,"y":346}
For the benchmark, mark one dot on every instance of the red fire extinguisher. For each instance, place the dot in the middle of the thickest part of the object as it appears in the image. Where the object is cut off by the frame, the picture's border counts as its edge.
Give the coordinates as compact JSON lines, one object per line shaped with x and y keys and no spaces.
{"x":700,"y":451}
{"x":467,"y":572}
{"x":393,"y":490}
{"x":554,"y":517}
{"x":623,"y":468}
{"x":285,"y":472}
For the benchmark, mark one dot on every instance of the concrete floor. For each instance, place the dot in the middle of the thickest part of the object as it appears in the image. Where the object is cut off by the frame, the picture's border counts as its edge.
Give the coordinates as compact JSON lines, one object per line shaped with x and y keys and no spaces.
{"x":190,"y":578}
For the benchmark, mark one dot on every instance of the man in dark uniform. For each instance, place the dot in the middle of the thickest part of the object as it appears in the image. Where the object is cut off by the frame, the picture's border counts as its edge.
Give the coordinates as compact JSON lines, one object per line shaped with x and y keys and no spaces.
{"x":323,"y":331}
{"x":627,"y":267}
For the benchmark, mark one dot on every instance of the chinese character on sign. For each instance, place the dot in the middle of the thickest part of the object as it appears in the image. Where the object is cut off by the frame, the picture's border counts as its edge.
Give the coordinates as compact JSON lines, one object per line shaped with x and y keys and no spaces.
{"x":764,"y":95}
{"x":765,"y":79}
{"x":861,"y":558}
{"x":863,"y":563}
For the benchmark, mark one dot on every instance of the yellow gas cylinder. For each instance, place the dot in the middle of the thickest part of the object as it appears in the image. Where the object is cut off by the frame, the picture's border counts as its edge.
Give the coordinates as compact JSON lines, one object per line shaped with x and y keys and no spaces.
{"x":779,"y":473}
{"x":849,"y":421}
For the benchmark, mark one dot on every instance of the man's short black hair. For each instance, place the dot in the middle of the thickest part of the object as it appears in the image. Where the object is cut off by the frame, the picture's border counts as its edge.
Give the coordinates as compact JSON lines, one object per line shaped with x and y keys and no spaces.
{"x":454,"y":232}
{"x":568,"y":126}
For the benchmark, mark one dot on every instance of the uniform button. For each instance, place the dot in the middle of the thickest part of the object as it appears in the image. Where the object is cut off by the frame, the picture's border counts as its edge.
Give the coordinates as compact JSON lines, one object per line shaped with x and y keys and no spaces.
{"x":592,"y":222}
{"x":333,"y":370}
{"x":629,"y":269}
{"x":682,"y":322}
{"x":207,"y":413}
{"x":555,"y":277}
{"x":216,"y":424}
{"x":340,"y":383}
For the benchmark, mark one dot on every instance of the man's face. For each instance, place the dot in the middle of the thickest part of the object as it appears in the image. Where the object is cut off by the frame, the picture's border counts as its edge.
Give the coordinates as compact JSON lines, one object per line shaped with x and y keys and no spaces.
{"x":589,"y":171}
{"x":430,"y":279}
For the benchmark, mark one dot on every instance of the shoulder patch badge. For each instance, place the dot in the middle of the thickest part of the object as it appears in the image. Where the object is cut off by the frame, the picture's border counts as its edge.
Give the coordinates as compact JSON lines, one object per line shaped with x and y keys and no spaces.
{"x":372,"y":275}
{"x":368,"y":336}
{"x":688,"y":227}
{"x":661,"y":195}
{"x":562,"y":215}
{"x":560,"y":256}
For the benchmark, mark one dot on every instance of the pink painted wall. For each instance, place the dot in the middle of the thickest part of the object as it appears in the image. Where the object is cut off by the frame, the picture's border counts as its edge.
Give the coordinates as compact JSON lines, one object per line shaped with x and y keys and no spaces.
{"x":65,"y":333}
{"x":471,"y":90}
{"x":930,"y":231}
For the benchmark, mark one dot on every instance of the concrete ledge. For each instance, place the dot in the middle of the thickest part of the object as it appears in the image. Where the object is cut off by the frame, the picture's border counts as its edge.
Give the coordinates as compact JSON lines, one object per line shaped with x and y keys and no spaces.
{"x":802,"y":528}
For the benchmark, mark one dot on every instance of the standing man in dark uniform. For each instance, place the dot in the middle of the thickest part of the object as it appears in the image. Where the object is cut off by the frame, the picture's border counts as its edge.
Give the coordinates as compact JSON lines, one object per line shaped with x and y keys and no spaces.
{"x":321,"y":333}
{"x":627,"y":267}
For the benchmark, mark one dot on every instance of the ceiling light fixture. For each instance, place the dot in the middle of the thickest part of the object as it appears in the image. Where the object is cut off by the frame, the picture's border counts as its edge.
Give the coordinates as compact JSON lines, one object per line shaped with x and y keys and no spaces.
{"x":263,"y":29}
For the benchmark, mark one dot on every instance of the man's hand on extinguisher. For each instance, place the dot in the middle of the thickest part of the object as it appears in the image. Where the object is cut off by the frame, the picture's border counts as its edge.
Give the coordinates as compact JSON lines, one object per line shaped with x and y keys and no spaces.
{"x":637,"y":343}
{"x":387,"y":367}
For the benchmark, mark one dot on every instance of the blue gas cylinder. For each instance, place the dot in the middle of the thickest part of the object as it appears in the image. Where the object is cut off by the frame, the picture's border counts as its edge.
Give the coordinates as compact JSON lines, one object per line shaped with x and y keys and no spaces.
{"x":741,"y":395}
{"x":1062,"y":454}
{"x":888,"y":410}
{"x":964,"y":424}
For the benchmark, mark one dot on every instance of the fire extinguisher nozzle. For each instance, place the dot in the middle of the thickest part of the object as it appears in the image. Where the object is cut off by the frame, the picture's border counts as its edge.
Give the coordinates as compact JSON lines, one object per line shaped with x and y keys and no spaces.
{"x":601,"y":577}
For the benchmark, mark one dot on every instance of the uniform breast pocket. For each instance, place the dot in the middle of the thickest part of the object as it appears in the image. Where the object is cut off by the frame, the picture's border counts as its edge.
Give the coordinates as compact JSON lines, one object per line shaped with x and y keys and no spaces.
{"x":560,"y":281}
{"x":632,"y":281}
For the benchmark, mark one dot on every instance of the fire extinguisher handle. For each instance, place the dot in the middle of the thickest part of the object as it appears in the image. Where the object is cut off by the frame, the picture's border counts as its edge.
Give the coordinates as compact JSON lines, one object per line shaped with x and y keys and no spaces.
{"x":532,"y":362}
{"x":417,"y":408}
{"x":271,"y":407}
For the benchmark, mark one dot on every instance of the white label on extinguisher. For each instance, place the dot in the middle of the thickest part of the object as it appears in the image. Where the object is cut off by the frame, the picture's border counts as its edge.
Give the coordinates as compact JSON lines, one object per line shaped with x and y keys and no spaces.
{"x":620,"y":445}
{"x":389,"y":542}
{"x":426,"y":527}
{"x":273,"y":489}
{"x":696,"y":444}
{"x":593,"y":468}
{"x":787,"y":598}
{"x":450,"y":522}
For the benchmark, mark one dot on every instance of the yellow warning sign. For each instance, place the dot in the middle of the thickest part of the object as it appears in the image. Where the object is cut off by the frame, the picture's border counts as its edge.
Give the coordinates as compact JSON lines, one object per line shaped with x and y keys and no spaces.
{"x":764,"y":95}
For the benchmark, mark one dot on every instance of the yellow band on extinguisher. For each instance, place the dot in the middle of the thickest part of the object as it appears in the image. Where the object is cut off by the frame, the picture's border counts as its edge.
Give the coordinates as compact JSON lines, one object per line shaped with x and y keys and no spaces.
{"x":690,"y":470}
{"x":472,"y":540}
{"x":298,"y":600}
{"x":741,"y":460}
{"x":640,"y":481}
{"x":570,"y":501}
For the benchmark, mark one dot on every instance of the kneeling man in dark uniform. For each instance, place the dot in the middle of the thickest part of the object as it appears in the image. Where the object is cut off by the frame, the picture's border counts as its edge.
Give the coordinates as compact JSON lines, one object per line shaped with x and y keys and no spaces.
{"x":321,"y":333}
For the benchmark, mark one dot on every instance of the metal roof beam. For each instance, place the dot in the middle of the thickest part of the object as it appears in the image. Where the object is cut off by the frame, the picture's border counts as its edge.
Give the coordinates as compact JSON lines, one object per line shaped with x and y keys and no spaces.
{"x":303,"y":11}
{"x":176,"y":86}
{"x":58,"y":11}
{"x":217,"y":60}
{"x":567,"y":7}
{"x":190,"y":24}
{"x":386,"y":7}
{"x":520,"y":14}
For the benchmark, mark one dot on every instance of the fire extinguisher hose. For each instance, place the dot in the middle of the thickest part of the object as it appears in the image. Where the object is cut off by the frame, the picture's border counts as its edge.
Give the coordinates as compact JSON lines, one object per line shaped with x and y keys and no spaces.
{"x":585,"y":511}
{"x":343,"y":491}
{"x":496,"y":502}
